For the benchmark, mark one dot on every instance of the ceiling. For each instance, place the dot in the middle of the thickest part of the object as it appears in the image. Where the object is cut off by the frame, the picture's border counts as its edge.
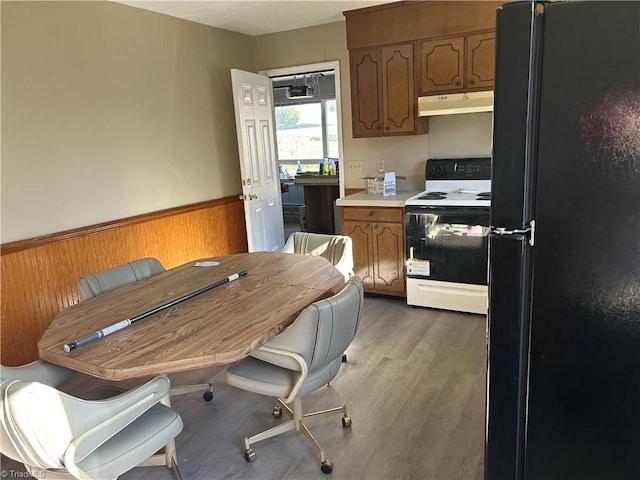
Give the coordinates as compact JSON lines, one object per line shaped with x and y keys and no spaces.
{"x":253,"y":17}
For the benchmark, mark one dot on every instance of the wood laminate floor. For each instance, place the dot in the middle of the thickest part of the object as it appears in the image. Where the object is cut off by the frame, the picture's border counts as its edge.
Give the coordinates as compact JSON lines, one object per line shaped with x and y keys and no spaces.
{"x":414,"y":384}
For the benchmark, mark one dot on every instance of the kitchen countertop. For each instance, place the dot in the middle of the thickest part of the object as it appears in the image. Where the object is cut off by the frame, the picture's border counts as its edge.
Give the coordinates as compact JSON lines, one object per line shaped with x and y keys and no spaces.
{"x":363,"y":199}
{"x":312,"y":180}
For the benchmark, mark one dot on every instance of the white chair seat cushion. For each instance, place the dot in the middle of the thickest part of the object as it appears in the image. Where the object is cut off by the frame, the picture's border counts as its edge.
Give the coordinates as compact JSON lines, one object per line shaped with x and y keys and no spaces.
{"x":140,"y":439}
{"x":267,"y":379}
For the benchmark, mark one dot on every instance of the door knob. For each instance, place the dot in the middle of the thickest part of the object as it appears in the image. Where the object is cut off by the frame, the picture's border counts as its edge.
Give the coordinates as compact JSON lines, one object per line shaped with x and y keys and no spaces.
{"x":252,"y":196}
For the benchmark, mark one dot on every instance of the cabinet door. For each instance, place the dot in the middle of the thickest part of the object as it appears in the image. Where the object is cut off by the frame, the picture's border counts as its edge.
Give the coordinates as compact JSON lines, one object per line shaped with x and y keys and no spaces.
{"x":441,"y":65}
{"x":388,"y":257}
{"x":480,"y":61}
{"x":360,"y":233}
{"x":398,"y":90}
{"x":366,"y":92}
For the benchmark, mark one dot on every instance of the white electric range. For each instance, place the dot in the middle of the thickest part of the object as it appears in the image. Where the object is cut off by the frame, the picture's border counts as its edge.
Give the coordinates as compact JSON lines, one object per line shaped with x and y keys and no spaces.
{"x":447,"y":228}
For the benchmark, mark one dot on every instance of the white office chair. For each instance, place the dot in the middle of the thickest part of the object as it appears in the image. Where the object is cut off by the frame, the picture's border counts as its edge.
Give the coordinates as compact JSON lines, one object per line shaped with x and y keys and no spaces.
{"x":95,"y":284}
{"x":98,"y":283}
{"x":56,"y":435}
{"x":300,"y":360}
{"x":338,"y":249}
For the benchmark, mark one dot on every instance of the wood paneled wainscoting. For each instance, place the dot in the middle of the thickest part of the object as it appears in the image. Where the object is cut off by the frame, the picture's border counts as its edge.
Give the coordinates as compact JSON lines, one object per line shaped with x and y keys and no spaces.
{"x":39,"y":275}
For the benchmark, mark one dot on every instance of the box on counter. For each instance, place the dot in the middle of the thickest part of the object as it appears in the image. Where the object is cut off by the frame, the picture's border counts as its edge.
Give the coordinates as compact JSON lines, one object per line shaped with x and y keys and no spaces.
{"x":384,"y":185}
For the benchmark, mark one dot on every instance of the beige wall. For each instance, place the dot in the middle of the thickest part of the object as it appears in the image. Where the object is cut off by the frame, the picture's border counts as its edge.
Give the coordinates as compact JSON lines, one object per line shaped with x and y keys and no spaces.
{"x":110,"y":111}
{"x":460,"y":135}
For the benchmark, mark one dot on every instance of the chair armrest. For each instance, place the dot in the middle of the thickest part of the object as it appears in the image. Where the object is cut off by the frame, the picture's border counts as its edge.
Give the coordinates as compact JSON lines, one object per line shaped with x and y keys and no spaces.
{"x":304,"y":369}
{"x":37,"y":371}
{"x":125,"y":409}
{"x":345,"y":264}
{"x":288,"y":246}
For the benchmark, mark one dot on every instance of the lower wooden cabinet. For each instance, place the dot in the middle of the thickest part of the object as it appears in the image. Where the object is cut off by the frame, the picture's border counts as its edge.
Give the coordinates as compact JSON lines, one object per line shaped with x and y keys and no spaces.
{"x":378,"y":247}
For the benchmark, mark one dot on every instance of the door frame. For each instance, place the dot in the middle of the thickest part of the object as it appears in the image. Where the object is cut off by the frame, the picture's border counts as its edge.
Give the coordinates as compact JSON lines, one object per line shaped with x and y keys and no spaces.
{"x":317,"y":67}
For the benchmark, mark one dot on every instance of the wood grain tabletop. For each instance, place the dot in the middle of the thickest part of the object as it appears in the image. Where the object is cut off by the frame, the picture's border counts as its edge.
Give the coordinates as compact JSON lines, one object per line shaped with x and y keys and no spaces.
{"x":219,"y":326}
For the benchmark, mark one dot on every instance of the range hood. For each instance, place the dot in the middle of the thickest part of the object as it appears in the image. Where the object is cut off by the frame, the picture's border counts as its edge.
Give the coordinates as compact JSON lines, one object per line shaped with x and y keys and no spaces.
{"x":455,"y":104}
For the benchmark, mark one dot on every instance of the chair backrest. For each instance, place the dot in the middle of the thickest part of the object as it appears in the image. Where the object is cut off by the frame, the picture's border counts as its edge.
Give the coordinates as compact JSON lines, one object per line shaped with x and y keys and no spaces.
{"x":38,"y":423}
{"x":322,"y":331}
{"x":338,"y":249}
{"x":98,"y":283}
{"x":37,"y":371}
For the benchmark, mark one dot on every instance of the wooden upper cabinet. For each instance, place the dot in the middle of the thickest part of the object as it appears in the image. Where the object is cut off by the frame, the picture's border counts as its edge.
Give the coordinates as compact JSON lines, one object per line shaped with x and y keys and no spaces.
{"x":398,"y":92}
{"x":383,"y":96}
{"x":458,"y":64}
{"x":406,"y":21}
{"x":481,"y":48}
{"x":366,"y":92}
{"x":441,"y":64}
{"x":401,"y":50}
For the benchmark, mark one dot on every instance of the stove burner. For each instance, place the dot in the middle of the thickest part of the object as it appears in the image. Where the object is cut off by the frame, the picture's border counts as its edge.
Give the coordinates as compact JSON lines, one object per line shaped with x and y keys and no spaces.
{"x":433,"y":196}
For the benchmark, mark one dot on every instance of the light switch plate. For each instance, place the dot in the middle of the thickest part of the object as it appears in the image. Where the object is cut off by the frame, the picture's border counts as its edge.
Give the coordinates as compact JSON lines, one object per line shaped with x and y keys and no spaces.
{"x":354,"y":165}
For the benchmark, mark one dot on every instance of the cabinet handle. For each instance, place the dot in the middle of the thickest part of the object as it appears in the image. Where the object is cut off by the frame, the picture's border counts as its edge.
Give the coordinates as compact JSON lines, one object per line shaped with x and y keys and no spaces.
{"x":371,"y":212}
{"x":457,"y":83}
{"x":367,"y":225}
{"x":375,"y":227}
{"x":472,"y":82}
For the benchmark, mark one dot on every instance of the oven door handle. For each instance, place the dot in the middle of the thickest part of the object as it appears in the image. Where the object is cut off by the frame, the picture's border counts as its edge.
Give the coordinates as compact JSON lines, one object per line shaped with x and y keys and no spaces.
{"x":446,"y":290}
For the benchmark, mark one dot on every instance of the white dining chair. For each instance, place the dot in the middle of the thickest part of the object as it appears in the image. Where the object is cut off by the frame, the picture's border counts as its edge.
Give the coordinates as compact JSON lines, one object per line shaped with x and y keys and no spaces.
{"x":300,"y":360}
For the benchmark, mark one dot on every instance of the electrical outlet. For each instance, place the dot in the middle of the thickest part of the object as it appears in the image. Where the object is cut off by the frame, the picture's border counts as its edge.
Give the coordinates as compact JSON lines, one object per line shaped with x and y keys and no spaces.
{"x":380,"y":166}
{"x":354,"y":165}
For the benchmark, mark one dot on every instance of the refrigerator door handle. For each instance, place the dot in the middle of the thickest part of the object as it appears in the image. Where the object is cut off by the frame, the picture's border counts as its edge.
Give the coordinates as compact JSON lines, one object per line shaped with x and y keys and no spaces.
{"x":505,"y":231}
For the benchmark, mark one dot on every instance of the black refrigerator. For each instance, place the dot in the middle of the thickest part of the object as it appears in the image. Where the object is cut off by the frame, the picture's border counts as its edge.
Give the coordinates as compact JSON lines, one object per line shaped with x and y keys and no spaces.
{"x":563,"y":377}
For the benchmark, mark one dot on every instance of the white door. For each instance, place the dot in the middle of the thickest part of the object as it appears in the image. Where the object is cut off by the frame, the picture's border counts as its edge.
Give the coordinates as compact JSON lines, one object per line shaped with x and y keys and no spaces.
{"x":253,"y":103}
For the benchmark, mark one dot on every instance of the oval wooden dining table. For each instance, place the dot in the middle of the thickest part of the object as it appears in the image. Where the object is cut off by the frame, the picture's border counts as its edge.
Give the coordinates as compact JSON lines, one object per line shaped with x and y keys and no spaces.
{"x":216,"y":327}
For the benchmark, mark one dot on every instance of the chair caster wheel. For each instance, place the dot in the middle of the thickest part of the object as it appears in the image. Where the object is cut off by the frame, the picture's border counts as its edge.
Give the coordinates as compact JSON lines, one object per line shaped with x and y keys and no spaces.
{"x":327,"y":467}
{"x":250,"y":455}
{"x":344,"y":358}
{"x":346,"y":421}
{"x":277,"y":411}
{"x":208,"y":396}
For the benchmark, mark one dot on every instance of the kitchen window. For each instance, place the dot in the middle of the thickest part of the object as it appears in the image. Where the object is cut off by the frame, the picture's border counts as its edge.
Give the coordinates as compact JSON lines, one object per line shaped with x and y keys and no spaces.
{"x":306,"y":133}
